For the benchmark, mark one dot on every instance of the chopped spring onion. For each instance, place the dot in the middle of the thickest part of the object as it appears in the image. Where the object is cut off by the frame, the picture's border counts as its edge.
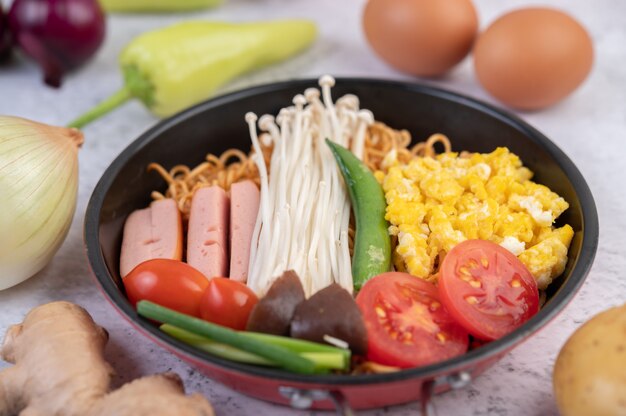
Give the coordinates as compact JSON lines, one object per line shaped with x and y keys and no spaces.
{"x":213,"y":347}
{"x":282,"y":357}
{"x":325,"y":358}
{"x":301,"y":346}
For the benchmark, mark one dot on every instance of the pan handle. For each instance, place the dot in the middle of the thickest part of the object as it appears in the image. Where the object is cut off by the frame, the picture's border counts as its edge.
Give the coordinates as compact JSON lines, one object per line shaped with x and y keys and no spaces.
{"x":455,"y":381}
{"x":304,"y":398}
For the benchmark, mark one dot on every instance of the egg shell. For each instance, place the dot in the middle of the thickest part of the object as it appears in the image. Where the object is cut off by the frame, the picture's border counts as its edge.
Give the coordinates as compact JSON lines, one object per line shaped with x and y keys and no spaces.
{"x":421,"y":37}
{"x":532,"y":58}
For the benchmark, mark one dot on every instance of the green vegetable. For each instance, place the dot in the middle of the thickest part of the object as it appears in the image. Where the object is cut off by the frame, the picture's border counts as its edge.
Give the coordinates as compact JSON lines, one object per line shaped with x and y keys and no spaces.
{"x":301,"y":346}
{"x":156,"y":5}
{"x":279,"y":355}
{"x":173,"y":68}
{"x":213,"y":347}
{"x":372,"y":246}
{"x":325,"y":358}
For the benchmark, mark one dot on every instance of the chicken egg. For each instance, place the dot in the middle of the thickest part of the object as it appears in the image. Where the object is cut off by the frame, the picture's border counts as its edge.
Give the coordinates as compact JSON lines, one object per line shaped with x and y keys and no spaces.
{"x":532,"y":58}
{"x":421,"y":37}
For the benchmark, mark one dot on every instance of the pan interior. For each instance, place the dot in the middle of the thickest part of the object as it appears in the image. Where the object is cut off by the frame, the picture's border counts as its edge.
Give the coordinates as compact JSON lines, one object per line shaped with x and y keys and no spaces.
{"x":217,"y":125}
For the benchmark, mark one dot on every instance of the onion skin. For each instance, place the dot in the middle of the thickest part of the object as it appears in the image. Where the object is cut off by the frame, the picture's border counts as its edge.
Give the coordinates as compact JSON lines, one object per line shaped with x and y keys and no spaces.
{"x":38,"y":184}
{"x":60,"y":35}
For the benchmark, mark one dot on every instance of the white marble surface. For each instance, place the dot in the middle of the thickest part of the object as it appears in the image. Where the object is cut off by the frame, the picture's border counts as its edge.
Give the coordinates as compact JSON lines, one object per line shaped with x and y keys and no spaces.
{"x":590,"y":127}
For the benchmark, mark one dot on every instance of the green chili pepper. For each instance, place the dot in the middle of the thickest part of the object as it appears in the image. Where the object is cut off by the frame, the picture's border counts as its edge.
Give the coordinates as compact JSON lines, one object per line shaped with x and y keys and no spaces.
{"x":372,"y":245}
{"x":156,"y":5}
{"x":173,"y":68}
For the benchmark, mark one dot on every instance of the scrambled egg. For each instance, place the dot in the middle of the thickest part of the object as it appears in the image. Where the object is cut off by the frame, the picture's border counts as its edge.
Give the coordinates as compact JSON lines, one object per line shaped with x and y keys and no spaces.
{"x":434,"y":204}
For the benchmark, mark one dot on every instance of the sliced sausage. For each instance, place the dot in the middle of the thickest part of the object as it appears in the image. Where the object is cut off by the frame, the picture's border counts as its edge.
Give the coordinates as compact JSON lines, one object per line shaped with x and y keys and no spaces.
{"x":207,"y":244}
{"x":155,"y":232}
{"x":244,"y":207}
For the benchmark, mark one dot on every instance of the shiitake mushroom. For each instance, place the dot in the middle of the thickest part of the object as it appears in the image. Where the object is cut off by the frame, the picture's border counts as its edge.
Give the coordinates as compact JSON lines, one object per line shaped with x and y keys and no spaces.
{"x":332,"y":311}
{"x":273,"y":313}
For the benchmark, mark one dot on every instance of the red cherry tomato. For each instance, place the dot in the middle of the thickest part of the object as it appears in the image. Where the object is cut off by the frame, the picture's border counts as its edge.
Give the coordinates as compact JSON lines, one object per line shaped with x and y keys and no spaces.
{"x":406,"y":324}
{"x":487,"y":289}
{"x":227,"y":302}
{"x":170,"y":283}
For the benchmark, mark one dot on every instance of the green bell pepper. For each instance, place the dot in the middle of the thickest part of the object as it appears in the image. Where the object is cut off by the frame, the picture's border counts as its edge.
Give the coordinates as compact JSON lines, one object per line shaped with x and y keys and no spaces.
{"x":173,"y":68}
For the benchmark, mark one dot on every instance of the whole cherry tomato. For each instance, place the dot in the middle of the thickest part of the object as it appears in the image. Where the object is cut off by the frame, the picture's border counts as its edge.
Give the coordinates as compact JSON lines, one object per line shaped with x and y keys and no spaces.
{"x":227,"y":302}
{"x":170,"y":283}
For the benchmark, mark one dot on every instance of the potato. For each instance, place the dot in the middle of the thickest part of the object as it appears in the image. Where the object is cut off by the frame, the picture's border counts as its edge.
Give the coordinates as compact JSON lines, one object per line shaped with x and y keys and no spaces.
{"x":590,"y":371}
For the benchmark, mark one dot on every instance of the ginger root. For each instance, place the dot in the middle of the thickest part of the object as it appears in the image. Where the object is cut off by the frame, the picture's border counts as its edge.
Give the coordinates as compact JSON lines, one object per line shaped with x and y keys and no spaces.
{"x":59,"y":370}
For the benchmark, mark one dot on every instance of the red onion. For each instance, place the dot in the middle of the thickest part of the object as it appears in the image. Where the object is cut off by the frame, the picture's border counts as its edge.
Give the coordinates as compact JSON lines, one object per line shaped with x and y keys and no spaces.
{"x":5,"y":43}
{"x":59,"y":34}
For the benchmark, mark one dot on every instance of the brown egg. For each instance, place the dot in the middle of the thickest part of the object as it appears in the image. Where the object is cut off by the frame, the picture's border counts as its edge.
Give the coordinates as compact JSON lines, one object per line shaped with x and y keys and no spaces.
{"x":532,"y":58}
{"x":421,"y":37}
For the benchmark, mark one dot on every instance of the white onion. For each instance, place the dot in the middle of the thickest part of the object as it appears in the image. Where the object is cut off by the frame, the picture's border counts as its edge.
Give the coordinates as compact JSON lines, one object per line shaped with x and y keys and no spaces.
{"x":38,"y":187}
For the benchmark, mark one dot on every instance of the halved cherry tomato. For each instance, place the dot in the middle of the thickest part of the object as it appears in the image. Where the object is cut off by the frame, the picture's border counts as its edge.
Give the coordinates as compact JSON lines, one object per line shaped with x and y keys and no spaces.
{"x":170,"y":283}
{"x":487,"y":289}
{"x":407,"y":326}
{"x":227,"y":302}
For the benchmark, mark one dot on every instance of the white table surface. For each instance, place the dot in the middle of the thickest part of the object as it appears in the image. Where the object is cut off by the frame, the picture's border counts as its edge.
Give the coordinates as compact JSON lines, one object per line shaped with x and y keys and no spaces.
{"x":590,"y":127}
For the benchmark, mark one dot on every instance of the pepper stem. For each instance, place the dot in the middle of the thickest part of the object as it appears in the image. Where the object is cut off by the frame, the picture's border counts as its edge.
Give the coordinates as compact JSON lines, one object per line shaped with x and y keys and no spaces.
{"x":106,"y":106}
